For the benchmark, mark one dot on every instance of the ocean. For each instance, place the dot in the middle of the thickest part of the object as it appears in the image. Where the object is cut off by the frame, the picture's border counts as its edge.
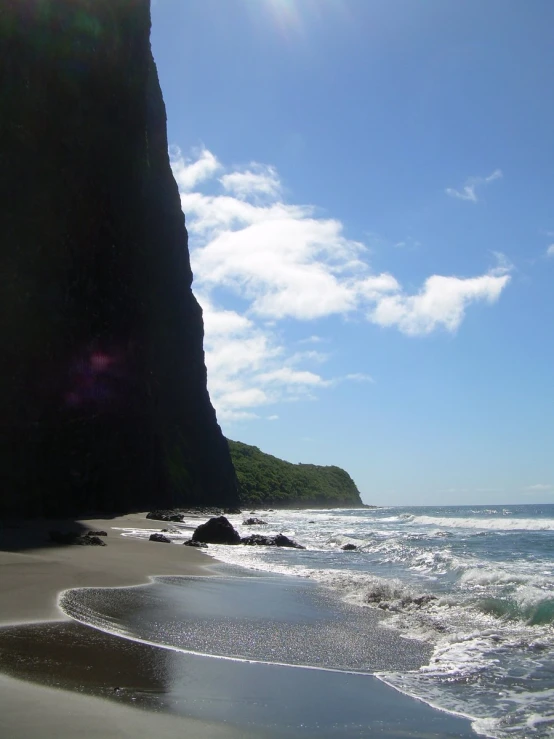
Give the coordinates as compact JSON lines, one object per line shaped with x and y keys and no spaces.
{"x":471,"y":588}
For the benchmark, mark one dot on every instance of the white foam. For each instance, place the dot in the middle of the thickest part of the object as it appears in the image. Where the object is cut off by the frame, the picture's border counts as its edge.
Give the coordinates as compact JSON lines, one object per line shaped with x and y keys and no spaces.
{"x":490,"y":524}
{"x":485,"y":655}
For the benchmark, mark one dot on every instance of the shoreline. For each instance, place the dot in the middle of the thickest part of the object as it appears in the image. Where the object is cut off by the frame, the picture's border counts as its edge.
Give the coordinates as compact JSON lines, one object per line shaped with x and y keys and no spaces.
{"x":33,"y":579}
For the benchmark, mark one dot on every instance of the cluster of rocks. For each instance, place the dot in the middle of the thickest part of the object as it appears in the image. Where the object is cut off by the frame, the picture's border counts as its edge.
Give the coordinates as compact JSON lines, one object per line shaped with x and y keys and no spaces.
{"x":162,"y":539}
{"x":89,"y":539}
{"x":178,"y":515}
{"x":166,"y":516}
{"x":220,"y":531}
{"x":270,"y":541}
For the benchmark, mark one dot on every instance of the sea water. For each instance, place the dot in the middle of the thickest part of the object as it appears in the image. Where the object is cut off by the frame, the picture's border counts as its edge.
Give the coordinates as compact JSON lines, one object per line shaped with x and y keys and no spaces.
{"x":475,"y":583}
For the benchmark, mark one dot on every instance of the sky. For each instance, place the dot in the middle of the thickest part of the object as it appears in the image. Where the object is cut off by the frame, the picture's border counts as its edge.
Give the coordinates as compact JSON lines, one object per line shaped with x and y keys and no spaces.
{"x":368,"y":190}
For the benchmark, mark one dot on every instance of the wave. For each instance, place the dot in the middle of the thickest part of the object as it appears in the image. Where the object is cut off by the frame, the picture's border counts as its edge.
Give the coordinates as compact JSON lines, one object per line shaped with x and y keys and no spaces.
{"x":467,"y":675}
{"x":535,"y":611}
{"x":493,"y":524}
{"x":481,"y":576}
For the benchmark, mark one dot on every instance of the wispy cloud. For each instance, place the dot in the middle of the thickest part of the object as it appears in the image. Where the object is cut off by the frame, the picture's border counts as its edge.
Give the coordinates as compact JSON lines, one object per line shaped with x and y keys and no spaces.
{"x":256,"y":182}
{"x":312,"y":340}
{"x":279,"y":261}
{"x":472,"y":184}
{"x":550,"y":251}
{"x":540,"y":487}
{"x":360,"y":377}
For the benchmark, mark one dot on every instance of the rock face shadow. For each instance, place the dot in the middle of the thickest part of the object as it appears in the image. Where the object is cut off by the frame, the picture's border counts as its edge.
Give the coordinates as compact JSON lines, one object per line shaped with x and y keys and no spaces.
{"x":103,"y":401}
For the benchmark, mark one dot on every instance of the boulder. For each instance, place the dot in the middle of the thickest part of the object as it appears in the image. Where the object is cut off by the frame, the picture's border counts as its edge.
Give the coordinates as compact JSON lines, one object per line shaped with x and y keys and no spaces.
{"x":165,"y":516}
{"x":232,"y":511}
{"x":198,"y":544}
{"x":96,"y":533}
{"x":270,"y":541}
{"x":90,"y":541}
{"x":216,"y":531}
{"x":283,"y":541}
{"x":349,"y":548}
{"x":160,"y":537}
{"x":254,"y":522}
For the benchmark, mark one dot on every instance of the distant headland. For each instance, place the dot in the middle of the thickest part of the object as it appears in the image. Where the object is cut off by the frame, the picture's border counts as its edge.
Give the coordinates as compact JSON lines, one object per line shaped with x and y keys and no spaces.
{"x":265,"y":480}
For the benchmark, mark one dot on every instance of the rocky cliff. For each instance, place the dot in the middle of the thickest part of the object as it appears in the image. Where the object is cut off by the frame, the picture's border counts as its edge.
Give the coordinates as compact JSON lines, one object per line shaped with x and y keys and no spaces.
{"x":103,"y":399}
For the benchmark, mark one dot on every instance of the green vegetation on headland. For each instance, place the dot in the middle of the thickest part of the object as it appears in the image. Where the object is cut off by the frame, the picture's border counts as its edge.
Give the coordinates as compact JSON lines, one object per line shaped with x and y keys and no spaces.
{"x":268,"y":481}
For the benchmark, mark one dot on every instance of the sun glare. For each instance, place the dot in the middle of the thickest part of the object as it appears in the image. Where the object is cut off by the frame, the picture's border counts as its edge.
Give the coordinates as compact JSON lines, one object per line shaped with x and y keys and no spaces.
{"x":296,"y":16}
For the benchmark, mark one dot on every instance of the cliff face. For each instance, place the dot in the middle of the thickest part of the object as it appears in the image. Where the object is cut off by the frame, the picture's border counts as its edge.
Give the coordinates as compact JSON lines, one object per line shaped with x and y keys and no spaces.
{"x":103,"y":399}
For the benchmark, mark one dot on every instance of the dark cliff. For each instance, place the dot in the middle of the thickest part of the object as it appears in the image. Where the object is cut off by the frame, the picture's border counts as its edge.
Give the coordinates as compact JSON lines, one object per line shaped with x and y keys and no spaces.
{"x":265,"y":480}
{"x":103,"y":399}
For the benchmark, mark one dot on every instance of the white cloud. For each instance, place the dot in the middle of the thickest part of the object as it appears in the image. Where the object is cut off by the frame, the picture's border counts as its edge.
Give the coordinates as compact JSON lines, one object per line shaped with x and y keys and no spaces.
{"x":286,"y":263}
{"x":273,"y":418}
{"x":288,"y":376}
{"x":259,"y":180}
{"x":248,"y":367}
{"x":311,"y":340}
{"x":540,"y":487}
{"x":550,"y":251}
{"x":469,"y":190}
{"x":441,"y":303}
{"x":233,"y":416}
{"x":283,"y":261}
{"x":360,"y":377}
{"x":188,"y":173}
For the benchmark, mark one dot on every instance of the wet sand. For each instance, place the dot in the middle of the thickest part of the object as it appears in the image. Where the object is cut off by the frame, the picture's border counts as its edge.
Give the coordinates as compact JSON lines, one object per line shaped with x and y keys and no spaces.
{"x":62,"y":678}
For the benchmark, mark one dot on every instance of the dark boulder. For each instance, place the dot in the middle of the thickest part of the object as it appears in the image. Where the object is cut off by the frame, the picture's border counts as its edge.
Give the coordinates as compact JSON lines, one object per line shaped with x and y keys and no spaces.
{"x":90,"y":541}
{"x":283,"y":541}
{"x":216,"y":531}
{"x":349,"y":548}
{"x":160,"y":537}
{"x":254,"y":522}
{"x":232,"y":511}
{"x":198,"y":544}
{"x":270,"y":541}
{"x":96,"y":533}
{"x":165,"y":516}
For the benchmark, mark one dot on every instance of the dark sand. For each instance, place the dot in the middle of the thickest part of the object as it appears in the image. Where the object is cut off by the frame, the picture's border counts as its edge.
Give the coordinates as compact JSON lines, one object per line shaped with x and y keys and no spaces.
{"x":95,"y":684}
{"x":275,"y":619}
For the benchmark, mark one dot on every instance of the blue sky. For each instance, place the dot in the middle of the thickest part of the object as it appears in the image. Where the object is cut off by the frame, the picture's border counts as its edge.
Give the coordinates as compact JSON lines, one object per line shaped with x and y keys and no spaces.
{"x":368,"y":187}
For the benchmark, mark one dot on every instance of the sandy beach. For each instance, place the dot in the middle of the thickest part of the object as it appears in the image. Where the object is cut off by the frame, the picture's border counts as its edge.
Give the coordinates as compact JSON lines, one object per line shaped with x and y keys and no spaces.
{"x":33,"y":573}
{"x":58,"y":674}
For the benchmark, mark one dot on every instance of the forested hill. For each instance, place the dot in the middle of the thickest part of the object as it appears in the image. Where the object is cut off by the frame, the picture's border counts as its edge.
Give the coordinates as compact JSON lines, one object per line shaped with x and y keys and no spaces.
{"x":268,"y":481}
